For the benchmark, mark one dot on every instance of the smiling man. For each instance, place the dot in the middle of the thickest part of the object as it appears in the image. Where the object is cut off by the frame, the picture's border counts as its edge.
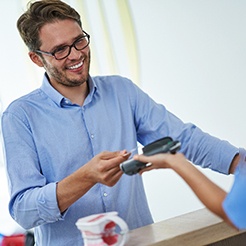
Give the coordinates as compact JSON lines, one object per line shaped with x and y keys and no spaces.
{"x":64,"y":141}
{"x":68,"y":72}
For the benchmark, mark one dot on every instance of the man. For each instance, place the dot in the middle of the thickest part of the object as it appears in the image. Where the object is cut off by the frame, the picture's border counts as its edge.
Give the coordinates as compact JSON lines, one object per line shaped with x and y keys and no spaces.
{"x":62,"y":140}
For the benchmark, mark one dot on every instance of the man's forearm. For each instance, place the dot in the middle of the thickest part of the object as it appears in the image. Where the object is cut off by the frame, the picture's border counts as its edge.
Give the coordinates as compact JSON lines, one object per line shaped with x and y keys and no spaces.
{"x":72,"y":188}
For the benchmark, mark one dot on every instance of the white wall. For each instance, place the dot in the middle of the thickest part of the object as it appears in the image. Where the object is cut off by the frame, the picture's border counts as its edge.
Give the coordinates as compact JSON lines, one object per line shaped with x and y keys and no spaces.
{"x":191,"y":58}
{"x":194,"y":63}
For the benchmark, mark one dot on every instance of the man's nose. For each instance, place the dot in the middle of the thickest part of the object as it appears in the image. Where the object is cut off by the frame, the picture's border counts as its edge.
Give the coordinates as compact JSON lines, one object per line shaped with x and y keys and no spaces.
{"x":74,"y":54}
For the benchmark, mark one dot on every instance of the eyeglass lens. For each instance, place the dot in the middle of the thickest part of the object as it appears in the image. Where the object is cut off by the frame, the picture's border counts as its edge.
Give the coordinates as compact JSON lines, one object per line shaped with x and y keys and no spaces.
{"x":78,"y":44}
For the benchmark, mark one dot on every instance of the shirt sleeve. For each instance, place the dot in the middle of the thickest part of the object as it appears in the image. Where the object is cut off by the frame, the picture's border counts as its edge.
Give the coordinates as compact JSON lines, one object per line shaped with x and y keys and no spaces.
{"x":235,"y":202}
{"x":155,"y":121}
{"x":33,"y":202}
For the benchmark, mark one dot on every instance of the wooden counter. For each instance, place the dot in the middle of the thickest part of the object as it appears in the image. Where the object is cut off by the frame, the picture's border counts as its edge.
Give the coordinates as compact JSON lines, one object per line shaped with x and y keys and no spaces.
{"x":200,"y":227}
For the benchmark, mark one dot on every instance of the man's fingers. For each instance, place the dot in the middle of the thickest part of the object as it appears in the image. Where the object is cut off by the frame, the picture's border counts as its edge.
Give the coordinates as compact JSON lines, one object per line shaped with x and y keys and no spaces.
{"x":106,"y":155}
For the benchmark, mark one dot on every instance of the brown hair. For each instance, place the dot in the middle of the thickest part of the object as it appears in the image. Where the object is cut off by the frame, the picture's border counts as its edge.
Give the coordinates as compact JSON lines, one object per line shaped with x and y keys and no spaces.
{"x":40,"y":13}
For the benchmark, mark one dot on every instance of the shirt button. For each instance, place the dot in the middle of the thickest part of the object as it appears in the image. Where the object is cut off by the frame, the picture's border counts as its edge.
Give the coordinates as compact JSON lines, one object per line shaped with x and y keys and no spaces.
{"x":105,"y":194}
{"x":92,"y":136}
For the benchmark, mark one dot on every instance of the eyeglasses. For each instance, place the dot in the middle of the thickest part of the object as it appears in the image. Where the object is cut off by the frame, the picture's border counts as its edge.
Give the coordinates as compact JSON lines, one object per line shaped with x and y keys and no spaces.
{"x":64,"y":51}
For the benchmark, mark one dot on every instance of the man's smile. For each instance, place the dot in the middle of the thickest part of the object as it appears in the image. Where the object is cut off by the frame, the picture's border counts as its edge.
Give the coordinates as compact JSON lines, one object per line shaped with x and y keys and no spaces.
{"x":76,"y":66}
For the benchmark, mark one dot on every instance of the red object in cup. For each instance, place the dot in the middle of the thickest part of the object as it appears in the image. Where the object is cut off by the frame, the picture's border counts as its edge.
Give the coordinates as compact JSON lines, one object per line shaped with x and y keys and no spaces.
{"x":14,"y":240}
{"x":109,"y":236}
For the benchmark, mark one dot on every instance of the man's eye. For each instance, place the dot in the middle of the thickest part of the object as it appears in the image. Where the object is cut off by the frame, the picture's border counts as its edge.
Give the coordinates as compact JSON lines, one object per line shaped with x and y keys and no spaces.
{"x":61,"y":49}
{"x":80,"y":41}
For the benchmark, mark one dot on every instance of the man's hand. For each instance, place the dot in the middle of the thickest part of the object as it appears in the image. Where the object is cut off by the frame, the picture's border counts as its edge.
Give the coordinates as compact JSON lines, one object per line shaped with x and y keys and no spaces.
{"x":104,"y":168}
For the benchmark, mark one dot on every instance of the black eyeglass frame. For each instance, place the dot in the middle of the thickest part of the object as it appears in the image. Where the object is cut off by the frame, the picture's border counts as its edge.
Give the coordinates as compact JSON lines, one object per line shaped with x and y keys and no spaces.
{"x":53,"y":54}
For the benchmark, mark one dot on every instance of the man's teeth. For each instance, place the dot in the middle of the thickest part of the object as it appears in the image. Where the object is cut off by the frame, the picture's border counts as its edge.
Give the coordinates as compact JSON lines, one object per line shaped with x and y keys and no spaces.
{"x":76,"y":66}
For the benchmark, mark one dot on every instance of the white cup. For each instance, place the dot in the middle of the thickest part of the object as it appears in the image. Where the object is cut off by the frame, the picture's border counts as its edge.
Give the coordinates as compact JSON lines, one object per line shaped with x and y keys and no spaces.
{"x":99,"y":229}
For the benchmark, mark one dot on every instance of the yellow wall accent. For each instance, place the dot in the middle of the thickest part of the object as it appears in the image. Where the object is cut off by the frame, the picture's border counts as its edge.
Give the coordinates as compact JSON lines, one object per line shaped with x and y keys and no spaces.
{"x":127,"y":28}
{"x":130,"y":38}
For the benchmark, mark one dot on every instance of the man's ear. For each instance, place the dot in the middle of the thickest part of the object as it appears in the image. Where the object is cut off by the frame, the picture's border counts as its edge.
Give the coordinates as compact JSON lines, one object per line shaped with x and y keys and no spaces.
{"x":36,"y":58}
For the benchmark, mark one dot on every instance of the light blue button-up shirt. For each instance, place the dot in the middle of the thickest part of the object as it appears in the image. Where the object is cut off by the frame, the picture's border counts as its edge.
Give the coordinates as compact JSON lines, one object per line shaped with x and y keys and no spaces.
{"x":47,"y":138}
{"x":235,"y":202}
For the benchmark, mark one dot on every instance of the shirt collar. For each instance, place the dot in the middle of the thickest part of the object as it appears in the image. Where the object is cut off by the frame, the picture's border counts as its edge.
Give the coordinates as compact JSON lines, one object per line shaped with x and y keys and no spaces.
{"x":58,"y":98}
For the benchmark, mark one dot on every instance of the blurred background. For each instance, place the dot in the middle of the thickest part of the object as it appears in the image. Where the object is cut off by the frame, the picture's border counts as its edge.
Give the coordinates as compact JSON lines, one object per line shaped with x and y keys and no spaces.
{"x":186,"y":54}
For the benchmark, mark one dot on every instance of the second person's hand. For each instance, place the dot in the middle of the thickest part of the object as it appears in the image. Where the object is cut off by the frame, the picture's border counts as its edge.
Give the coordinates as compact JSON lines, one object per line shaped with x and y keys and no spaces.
{"x":160,"y":161}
